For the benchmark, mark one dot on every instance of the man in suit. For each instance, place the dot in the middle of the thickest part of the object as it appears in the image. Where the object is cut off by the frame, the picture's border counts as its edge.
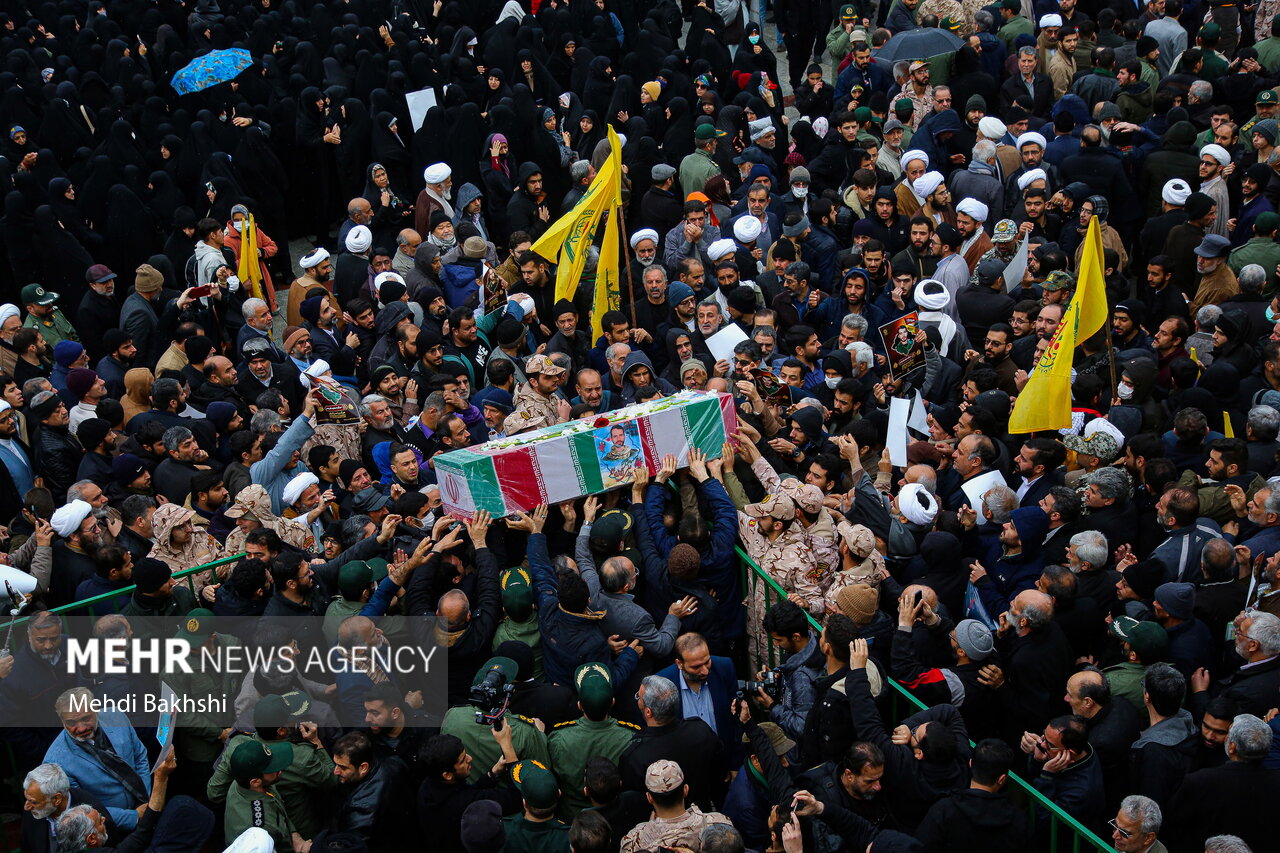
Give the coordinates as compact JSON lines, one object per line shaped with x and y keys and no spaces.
{"x":38,"y":675}
{"x":706,"y":685}
{"x":47,"y":793}
{"x":1037,"y":465}
{"x":1227,"y":799}
{"x":689,"y":742}
{"x":1256,"y":685}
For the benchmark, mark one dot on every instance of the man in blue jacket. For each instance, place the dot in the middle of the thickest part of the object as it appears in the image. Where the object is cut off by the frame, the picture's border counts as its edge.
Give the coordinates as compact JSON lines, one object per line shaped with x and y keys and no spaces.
{"x":706,"y":685}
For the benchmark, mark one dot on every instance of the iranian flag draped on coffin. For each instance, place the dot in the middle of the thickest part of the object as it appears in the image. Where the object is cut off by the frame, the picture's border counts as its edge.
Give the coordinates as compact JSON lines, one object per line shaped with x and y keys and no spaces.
{"x":582,"y":457}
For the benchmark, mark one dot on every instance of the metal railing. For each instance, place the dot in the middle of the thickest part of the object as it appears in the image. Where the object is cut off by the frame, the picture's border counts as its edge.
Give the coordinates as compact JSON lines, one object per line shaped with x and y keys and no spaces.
{"x":124,"y":593}
{"x":1078,"y":838}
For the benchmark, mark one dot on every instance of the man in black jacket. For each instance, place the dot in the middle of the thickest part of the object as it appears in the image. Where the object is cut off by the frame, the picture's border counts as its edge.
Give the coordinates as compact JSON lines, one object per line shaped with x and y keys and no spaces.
{"x":690,"y":743}
{"x":48,"y":795}
{"x":57,"y":451}
{"x":376,"y":799}
{"x":980,"y":818}
{"x":445,"y":793}
{"x":35,"y":680}
{"x":1111,"y":727}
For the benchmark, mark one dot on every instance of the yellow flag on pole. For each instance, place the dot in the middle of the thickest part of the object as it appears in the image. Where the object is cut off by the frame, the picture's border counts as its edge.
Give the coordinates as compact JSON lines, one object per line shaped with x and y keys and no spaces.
{"x":569,"y":238}
{"x":250,"y":269}
{"x":1045,"y":402}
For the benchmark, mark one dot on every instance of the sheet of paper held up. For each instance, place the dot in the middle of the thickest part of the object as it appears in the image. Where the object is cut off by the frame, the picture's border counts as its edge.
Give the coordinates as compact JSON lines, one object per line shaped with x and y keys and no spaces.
{"x":721,"y":344}
{"x":898,"y":409}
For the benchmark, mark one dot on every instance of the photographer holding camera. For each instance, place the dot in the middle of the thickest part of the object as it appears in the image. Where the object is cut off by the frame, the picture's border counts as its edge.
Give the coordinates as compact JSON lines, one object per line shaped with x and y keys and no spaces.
{"x":789,"y":630}
{"x":473,"y":722}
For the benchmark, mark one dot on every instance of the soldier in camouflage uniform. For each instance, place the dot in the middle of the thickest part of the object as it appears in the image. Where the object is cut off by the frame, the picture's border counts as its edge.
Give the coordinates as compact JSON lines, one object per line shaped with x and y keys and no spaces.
{"x":1004,"y":245}
{"x":256,"y":768}
{"x":460,"y":721}
{"x":817,"y":524}
{"x":593,"y":734}
{"x":535,"y":405}
{"x":673,"y":825}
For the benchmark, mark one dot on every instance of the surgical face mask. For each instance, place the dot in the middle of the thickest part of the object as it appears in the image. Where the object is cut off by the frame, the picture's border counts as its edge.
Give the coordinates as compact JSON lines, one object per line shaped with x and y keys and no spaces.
{"x":238,"y":225}
{"x":753,"y":39}
{"x":799,"y":192}
{"x":1124,"y":391}
{"x":832,"y":381}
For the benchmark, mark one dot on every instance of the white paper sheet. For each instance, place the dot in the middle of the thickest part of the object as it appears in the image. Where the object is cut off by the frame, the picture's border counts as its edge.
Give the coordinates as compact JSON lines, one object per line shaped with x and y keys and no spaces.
{"x":897,"y":438}
{"x":419,"y":102}
{"x":919,"y":418}
{"x":721,"y":344}
{"x":977,"y":487}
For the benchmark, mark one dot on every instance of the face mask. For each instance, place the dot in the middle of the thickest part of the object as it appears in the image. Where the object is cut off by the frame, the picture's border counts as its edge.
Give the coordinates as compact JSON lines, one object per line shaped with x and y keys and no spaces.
{"x":1124,"y":391}
{"x":799,"y":192}
{"x":1271,"y":315}
{"x":238,"y":225}
{"x":753,"y":39}
{"x":832,"y":381}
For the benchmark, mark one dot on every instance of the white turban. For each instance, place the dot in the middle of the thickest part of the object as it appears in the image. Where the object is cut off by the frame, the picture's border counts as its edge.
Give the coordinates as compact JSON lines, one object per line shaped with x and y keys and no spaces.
{"x":913,"y":154}
{"x":1032,"y":136}
{"x":720,"y":248}
{"x":359,"y":239}
{"x":1098,"y":425}
{"x":992,"y":127}
{"x":936,"y":298}
{"x":314,"y":370}
{"x":1026,"y":178}
{"x":1175,"y":192}
{"x":66,"y":520}
{"x":927,"y":183}
{"x":314,"y":258}
{"x":8,"y":310}
{"x":644,"y":234}
{"x":760,"y":127}
{"x":4,"y":406}
{"x":384,"y":277}
{"x":437,"y":173}
{"x":1217,"y":152}
{"x":974,"y":209}
{"x":1050,"y":21}
{"x":917,"y":505}
{"x":295,"y":487}
{"x":746,"y":228}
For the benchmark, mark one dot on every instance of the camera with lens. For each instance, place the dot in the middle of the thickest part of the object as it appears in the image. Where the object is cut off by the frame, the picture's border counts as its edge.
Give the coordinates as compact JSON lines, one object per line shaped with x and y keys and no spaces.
{"x":771,"y":683}
{"x":490,"y":696}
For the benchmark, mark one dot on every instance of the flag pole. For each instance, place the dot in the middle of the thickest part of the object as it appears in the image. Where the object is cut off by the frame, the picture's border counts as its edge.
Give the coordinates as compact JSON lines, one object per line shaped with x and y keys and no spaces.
{"x":1111,"y":351}
{"x":626,"y":259}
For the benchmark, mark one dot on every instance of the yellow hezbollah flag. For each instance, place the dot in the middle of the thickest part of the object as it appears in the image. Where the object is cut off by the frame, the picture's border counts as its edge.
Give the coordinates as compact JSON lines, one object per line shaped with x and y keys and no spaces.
{"x":1045,"y":402}
{"x":567,"y":241}
{"x":608,"y":271}
{"x":250,"y":268}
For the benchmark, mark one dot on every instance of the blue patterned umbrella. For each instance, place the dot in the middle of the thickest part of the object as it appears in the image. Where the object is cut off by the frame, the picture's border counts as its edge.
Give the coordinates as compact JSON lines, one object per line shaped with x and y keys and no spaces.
{"x":211,"y":69}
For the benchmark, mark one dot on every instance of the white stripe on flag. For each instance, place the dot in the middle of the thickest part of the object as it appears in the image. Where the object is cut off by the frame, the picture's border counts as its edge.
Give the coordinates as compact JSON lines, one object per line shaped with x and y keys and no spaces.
{"x":558,"y":468}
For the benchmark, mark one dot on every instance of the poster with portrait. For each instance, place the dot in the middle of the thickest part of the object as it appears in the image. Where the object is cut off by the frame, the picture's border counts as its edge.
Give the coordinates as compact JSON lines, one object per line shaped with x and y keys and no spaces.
{"x":618,"y":450}
{"x":899,"y":337}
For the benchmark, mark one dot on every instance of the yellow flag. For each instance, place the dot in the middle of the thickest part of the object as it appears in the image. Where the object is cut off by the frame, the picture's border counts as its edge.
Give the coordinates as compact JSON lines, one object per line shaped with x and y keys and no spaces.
{"x":1226,"y":425}
{"x":608,"y":293}
{"x":1045,"y":402}
{"x":569,"y":238}
{"x":250,"y":269}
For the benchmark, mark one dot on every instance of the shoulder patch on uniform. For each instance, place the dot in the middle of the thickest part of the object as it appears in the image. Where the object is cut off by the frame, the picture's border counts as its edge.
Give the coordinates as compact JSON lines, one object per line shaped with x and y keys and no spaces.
{"x":528,"y":720}
{"x":625,"y":724}
{"x":259,"y":818}
{"x":565,"y":723}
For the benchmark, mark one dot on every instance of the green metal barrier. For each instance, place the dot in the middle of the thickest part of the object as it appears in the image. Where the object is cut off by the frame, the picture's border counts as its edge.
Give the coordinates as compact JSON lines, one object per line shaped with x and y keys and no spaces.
{"x":78,"y":606}
{"x":1063,"y":828}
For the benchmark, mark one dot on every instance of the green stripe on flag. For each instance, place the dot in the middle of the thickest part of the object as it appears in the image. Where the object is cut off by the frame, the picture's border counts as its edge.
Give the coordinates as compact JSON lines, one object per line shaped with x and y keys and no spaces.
{"x":586,"y":463}
{"x":485,"y":489}
{"x":704,"y":426}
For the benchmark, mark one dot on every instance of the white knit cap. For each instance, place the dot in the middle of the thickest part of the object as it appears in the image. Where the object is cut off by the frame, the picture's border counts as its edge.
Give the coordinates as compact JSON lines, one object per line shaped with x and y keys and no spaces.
{"x":1027,"y":178}
{"x":66,"y":519}
{"x":644,"y":234}
{"x":437,"y":173}
{"x":910,"y":500}
{"x":384,"y":277}
{"x":314,"y":258}
{"x":359,"y":239}
{"x":1217,"y":152}
{"x":760,"y":127}
{"x":295,"y":487}
{"x":974,"y":209}
{"x":746,"y":228}
{"x":1031,"y":136}
{"x":992,"y":127}
{"x":913,"y":154}
{"x":927,"y":183}
{"x":1175,"y":192}
{"x":720,"y":248}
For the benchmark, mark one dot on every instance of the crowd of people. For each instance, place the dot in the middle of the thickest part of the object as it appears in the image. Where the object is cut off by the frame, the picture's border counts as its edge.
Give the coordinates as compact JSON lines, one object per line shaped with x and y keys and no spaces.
{"x":899,"y":213}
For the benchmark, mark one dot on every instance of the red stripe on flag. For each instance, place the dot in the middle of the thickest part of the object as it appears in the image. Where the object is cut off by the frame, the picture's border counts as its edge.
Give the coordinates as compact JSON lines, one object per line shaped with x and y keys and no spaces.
{"x":517,"y":471}
{"x":730,"y":415}
{"x":651,"y":457}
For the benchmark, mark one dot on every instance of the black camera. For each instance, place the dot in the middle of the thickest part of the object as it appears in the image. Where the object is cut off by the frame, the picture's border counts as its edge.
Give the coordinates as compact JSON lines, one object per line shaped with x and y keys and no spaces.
{"x":771,"y":684}
{"x":491,"y":696}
